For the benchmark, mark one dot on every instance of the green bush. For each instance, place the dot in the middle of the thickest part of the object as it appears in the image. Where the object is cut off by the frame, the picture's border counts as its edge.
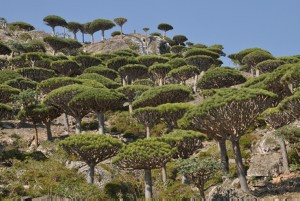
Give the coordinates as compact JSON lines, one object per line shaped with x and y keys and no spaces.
{"x":89,"y":125}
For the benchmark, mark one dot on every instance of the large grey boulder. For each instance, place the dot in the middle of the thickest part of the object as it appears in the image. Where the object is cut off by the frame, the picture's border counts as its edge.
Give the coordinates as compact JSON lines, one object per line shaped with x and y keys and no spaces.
{"x":265,"y":165}
{"x":267,"y":144}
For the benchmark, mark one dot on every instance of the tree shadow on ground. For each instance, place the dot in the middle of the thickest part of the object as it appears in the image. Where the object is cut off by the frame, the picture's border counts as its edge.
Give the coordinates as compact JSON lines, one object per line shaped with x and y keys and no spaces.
{"x":290,"y":185}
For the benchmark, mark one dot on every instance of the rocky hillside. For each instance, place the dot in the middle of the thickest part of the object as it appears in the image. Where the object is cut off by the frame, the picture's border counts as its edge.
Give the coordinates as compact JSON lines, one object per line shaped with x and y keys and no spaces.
{"x":137,"y":42}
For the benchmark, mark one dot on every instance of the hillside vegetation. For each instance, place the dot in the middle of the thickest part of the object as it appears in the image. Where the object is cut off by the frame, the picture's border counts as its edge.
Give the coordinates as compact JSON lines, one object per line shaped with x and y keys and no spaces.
{"x":143,"y":115}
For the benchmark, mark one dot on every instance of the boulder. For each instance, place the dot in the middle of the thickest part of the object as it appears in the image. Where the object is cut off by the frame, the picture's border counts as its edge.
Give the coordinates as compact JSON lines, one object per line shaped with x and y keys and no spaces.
{"x":265,"y":165}
{"x":267,"y":144}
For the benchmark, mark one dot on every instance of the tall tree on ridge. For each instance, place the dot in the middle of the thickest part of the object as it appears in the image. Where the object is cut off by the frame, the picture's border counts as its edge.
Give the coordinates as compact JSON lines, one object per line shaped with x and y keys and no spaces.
{"x":120,"y":21}
{"x":54,"y":21}
{"x":164,"y":27}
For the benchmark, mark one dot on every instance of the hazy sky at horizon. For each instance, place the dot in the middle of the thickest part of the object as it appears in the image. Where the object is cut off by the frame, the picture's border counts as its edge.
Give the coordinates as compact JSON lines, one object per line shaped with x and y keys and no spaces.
{"x":269,"y":24}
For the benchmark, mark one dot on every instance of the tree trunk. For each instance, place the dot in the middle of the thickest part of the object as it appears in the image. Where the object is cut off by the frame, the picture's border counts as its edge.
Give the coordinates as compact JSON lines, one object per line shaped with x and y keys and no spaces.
{"x":291,"y":88}
{"x":148,"y":184}
{"x":252,"y":72}
{"x":202,"y":192}
{"x":121,"y":32}
{"x":160,"y":82}
{"x":78,"y":125}
{"x":239,"y":165}
{"x":284,"y":155}
{"x":100,"y":117}
{"x":256,"y":72}
{"x":184,"y":179}
{"x":82,"y":34}
{"x":130,"y":107}
{"x":123,"y":82}
{"x":74,"y":36}
{"x":147,"y":131}
{"x":64,"y":28}
{"x":224,"y":156}
{"x":91,"y":173}
{"x":36,"y":136}
{"x":164,"y":174}
{"x":102,"y":34}
{"x":92,"y":38}
{"x":66,"y":123}
{"x":49,"y":133}
{"x":53,"y":31}
{"x":195,"y":83}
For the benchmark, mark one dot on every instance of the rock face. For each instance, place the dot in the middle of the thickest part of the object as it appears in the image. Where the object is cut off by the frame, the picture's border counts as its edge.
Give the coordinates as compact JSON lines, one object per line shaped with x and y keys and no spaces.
{"x":265,"y":165}
{"x":136,"y":42}
{"x":228,"y":190}
{"x":102,"y":176}
{"x":267,"y":144}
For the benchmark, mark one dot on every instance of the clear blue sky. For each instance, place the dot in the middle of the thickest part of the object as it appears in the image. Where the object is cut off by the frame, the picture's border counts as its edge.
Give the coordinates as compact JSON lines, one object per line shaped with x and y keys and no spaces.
{"x":273,"y":25}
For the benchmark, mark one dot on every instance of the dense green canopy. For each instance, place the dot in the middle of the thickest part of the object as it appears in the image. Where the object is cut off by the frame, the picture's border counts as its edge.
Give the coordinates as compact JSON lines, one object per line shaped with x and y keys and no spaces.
{"x":7,"y":93}
{"x":50,"y":84}
{"x":5,"y":110}
{"x":186,"y":142}
{"x":22,"y":83}
{"x":99,"y":78}
{"x":183,"y":73}
{"x":163,"y":94}
{"x":36,"y":74}
{"x":220,"y":77}
{"x":102,"y":70}
{"x":144,"y":154}
{"x":21,"y":26}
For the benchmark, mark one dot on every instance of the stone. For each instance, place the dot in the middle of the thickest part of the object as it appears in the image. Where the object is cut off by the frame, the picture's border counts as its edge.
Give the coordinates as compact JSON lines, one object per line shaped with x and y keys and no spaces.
{"x":265,"y":165}
{"x":267,"y":144}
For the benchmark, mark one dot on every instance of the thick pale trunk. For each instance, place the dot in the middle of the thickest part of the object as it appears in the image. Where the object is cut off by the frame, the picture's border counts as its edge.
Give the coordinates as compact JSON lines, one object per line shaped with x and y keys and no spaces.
{"x":252,"y":72}
{"x":123,"y":81}
{"x":130,"y":107}
{"x":195,"y":83}
{"x":224,"y":156}
{"x":49,"y":133}
{"x":164,"y":174}
{"x":36,"y":136}
{"x":256,"y":72}
{"x":148,"y":184}
{"x":74,"y":36}
{"x":284,"y":155}
{"x":78,"y":125}
{"x":100,"y":117}
{"x":91,"y":174}
{"x":160,"y":82}
{"x":147,"y":131}
{"x":239,"y":165}
{"x":291,"y":88}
